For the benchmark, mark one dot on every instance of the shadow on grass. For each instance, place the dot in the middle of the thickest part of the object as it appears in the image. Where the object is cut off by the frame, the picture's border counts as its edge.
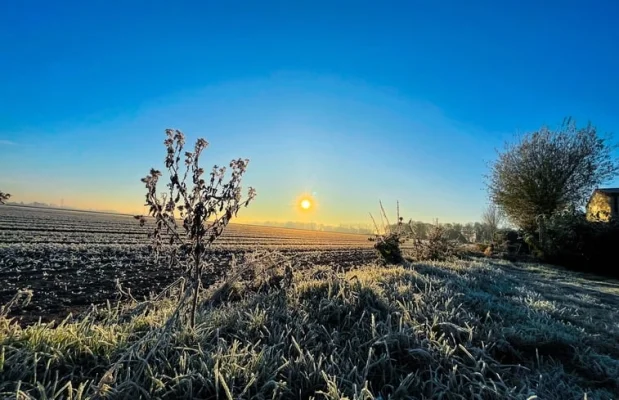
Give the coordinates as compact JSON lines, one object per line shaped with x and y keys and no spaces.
{"x":543,"y":318}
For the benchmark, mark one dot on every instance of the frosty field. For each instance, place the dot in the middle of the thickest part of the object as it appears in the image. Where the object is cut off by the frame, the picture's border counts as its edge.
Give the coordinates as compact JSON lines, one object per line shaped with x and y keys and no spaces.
{"x":346,"y":328}
{"x":71,"y":259}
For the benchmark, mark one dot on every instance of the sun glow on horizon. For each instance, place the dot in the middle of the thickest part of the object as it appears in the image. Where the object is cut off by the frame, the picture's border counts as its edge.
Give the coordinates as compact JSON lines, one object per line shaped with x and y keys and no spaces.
{"x":306,"y":204}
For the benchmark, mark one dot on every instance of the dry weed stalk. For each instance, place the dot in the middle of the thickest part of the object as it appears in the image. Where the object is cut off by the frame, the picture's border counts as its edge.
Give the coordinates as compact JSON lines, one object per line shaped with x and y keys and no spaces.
{"x":192,"y":214}
{"x":21,"y":299}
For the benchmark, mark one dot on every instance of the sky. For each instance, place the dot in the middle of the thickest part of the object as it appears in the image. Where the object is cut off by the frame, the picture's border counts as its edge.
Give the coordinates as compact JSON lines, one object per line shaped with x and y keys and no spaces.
{"x":347,"y":102}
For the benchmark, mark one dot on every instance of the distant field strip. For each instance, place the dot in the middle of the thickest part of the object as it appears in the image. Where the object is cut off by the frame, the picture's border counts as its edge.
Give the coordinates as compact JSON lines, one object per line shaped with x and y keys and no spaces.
{"x":20,"y":225}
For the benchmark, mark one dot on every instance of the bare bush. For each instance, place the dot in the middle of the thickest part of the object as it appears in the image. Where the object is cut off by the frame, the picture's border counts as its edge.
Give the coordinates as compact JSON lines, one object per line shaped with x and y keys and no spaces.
{"x":388,"y":238}
{"x":193,"y":213}
{"x":436,"y":243}
{"x":4,"y":197}
{"x":436,"y":247}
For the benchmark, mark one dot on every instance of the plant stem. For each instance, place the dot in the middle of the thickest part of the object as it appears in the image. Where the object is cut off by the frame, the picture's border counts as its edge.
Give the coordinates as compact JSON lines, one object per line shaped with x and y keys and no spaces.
{"x":196,"y":287}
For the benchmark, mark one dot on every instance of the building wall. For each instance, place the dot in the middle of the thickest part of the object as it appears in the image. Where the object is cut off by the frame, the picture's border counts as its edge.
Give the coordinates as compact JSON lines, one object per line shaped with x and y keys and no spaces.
{"x":600,"y":207}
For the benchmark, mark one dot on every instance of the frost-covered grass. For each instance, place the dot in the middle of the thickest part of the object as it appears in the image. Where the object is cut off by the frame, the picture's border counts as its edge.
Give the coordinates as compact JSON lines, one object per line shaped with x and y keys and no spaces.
{"x":461,"y":330}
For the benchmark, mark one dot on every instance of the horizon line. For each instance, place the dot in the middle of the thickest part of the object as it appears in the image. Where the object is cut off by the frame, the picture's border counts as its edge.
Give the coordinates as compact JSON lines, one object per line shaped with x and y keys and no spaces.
{"x":111,"y":212}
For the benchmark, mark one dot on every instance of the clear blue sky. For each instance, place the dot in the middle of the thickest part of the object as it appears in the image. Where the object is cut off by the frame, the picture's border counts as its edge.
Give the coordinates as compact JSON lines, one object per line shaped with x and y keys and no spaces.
{"x":349,"y":101}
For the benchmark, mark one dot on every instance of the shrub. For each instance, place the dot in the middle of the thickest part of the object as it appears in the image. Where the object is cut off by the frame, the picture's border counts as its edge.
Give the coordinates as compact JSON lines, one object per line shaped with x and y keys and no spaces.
{"x":570,"y":240}
{"x":4,"y":197}
{"x":438,"y":243}
{"x":436,"y":247}
{"x":481,"y":247}
{"x":506,"y":236}
{"x":510,"y":241}
{"x":388,"y":246}
{"x":388,"y":241}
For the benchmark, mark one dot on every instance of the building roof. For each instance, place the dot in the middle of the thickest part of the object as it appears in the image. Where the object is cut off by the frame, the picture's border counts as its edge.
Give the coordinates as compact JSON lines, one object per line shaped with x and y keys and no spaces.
{"x":608,"y":190}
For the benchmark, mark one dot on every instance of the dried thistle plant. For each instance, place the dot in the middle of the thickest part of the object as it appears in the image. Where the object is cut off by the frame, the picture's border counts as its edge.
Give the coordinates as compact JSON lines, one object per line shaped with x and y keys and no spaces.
{"x":195,"y":210}
{"x":4,"y":197}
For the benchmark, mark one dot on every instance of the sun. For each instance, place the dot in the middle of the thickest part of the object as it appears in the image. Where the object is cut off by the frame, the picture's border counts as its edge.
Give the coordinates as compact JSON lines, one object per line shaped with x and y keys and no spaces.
{"x":306,"y":204}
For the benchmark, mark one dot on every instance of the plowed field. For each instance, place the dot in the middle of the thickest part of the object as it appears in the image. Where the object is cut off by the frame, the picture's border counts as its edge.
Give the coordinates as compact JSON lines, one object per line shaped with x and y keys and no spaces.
{"x":71,"y":259}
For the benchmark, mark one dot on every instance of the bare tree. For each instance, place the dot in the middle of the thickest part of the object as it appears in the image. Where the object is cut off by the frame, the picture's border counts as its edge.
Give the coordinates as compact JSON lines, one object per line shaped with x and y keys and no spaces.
{"x":550,"y":171}
{"x":492,"y":217}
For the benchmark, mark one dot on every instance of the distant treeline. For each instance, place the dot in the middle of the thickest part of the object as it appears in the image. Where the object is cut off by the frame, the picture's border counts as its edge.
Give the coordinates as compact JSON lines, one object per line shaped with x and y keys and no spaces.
{"x":466,"y":233}
{"x":472,"y":232}
{"x":364,"y":229}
